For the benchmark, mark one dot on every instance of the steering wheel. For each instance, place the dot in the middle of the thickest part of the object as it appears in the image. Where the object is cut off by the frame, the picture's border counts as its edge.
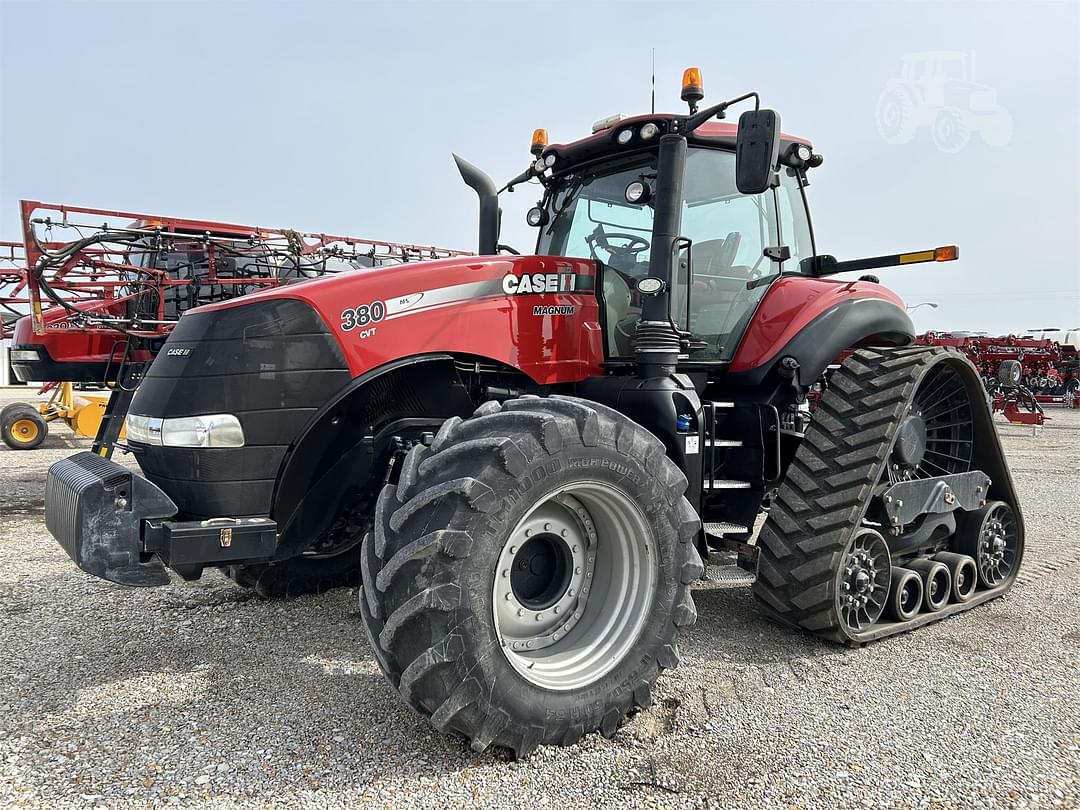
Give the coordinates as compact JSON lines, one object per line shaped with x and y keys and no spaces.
{"x":634,"y":244}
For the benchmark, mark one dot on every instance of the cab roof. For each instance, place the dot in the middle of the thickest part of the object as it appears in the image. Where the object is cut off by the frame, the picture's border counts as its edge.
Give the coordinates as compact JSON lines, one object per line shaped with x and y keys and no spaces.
{"x":604,"y":143}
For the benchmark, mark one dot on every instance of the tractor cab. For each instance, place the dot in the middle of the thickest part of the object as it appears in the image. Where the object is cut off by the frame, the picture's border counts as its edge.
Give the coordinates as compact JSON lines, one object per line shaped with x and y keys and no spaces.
{"x":688,"y":219}
{"x":604,"y":209}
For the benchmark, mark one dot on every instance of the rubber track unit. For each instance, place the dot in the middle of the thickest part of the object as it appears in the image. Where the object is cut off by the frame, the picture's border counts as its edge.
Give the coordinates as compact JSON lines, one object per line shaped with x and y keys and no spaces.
{"x":429,"y":571}
{"x":831,"y":480}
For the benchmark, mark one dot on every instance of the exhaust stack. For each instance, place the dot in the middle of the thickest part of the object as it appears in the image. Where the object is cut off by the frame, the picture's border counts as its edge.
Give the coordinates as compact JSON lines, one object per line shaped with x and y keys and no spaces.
{"x":484,"y":187}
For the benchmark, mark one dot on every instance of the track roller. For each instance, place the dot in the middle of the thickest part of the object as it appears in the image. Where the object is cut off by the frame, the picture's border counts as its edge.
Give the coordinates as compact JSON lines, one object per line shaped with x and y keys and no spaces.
{"x":965,"y":576}
{"x":905,"y":594}
{"x":937,"y":583}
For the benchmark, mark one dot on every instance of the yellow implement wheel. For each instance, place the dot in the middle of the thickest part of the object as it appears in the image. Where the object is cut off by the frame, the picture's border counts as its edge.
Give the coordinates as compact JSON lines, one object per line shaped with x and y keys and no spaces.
{"x":23,"y":428}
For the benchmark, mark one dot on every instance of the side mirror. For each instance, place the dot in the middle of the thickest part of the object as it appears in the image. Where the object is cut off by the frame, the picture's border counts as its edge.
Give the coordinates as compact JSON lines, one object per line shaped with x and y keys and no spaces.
{"x":757,"y":147}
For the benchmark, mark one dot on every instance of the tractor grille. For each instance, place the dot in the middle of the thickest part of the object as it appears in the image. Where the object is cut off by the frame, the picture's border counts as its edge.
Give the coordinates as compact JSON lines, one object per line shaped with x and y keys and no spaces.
{"x":272,"y":364}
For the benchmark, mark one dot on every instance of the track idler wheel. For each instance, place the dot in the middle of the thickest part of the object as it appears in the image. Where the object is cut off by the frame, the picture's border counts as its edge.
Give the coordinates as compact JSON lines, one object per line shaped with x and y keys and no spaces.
{"x":990,"y":536}
{"x":965,"y":576}
{"x":905,"y":594}
{"x":937,"y":583}
{"x":863,"y":580}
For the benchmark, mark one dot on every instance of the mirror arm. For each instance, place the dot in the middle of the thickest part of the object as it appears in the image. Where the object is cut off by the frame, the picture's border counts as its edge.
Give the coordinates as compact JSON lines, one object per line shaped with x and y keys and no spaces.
{"x":827,"y":265}
{"x":718,"y":110}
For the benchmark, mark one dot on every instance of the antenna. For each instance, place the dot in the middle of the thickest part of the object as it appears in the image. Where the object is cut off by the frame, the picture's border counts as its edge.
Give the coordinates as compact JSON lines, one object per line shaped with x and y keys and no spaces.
{"x":652,"y":105}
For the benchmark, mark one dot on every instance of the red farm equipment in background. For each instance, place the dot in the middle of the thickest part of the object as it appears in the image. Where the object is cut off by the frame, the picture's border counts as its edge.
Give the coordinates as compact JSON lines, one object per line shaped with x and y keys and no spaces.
{"x":1021,"y":373}
{"x":12,"y":285}
{"x":90,"y":294}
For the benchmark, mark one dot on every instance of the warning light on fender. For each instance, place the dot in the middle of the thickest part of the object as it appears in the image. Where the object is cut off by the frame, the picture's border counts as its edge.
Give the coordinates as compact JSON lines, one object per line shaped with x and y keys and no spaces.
{"x":948,"y":253}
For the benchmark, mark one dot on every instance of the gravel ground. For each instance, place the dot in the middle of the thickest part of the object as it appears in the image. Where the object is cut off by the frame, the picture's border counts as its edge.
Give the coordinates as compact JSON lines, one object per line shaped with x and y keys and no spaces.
{"x":199,"y":694}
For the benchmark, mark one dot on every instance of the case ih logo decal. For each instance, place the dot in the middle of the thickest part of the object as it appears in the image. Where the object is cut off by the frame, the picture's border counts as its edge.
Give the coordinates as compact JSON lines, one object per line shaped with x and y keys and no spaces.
{"x":177,"y":352}
{"x":539,"y":283}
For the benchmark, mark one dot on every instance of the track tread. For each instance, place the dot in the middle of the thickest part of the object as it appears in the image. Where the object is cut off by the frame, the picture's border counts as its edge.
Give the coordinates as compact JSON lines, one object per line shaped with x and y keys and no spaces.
{"x":846,"y":448}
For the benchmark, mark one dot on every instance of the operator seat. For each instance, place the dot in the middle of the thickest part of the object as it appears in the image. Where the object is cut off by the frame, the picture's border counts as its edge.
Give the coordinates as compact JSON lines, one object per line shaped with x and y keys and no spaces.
{"x":716,"y":257}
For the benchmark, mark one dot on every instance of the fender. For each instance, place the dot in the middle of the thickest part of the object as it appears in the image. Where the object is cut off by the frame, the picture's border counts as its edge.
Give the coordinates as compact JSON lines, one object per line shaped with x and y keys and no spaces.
{"x":849,"y":325}
{"x":332,"y":461}
{"x":815,"y":321}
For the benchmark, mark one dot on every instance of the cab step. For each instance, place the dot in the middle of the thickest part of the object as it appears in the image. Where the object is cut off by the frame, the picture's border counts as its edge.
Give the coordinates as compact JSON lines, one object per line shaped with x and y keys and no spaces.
{"x":722,"y":528}
{"x":729,"y":575}
{"x":726,"y":483}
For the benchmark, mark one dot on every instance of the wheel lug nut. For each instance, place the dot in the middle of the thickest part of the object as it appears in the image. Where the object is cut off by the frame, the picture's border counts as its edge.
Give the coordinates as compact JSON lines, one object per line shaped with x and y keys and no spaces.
{"x":513,"y":549}
{"x":556,"y":609}
{"x":539,"y":617}
{"x":506,"y":572}
{"x":521,"y":612}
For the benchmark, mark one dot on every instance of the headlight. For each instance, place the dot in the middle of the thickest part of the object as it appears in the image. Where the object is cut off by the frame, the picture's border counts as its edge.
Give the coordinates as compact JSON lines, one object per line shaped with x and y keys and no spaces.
{"x":624,"y":137}
{"x":143,"y":429}
{"x":212,"y":430}
{"x":648,"y":132}
{"x":23,"y":355}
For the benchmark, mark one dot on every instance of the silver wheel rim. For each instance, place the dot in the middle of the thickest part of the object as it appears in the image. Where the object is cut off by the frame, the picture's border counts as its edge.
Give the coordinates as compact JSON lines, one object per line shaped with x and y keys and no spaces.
{"x":574,"y":585}
{"x":863,"y":581}
{"x":997,"y":551}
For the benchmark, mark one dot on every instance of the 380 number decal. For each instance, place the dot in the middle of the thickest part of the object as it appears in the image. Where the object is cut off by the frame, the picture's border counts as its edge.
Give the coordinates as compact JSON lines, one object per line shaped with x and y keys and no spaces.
{"x":361,"y":316}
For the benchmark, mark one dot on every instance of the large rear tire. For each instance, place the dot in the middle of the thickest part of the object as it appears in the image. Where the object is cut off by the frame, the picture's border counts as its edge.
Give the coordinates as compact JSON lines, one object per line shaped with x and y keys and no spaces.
{"x":555,"y":513}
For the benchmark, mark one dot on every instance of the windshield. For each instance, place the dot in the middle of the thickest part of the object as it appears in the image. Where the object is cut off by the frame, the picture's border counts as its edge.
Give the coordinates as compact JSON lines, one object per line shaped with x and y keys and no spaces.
{"x":590,"y":218}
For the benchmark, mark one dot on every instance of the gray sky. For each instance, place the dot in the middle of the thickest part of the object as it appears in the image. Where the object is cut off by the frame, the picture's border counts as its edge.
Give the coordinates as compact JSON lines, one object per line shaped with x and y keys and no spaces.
{"x":341,"y":117}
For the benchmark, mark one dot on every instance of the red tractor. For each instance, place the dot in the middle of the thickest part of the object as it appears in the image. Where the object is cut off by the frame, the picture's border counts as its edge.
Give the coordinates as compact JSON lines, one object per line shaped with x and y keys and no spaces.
{"x":530,"y":458}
